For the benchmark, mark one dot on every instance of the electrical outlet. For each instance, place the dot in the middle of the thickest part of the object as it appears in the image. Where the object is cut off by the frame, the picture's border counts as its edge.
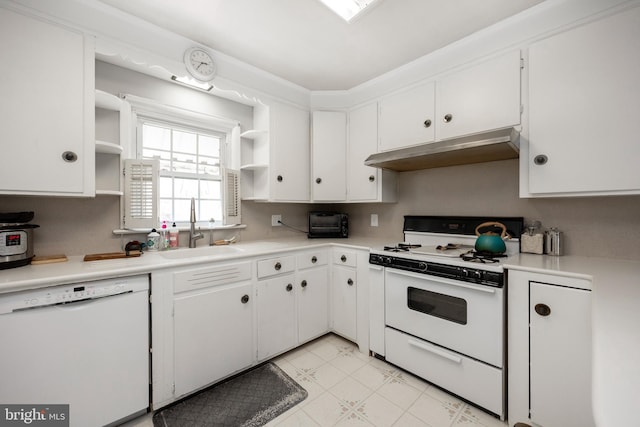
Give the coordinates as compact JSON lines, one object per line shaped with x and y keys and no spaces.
{"x":374,"y":220}
{"x":275,"y":220}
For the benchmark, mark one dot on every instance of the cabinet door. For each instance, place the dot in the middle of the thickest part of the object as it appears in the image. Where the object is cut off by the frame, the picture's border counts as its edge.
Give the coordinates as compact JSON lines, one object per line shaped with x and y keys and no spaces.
{"x":584,"y":108}
{"x":344,"y":302}
{"x":289,"y":137}
{"x":313,"y":303}
{"x":407,"y":118}
{"x":560,"y":356}
{"x":376,"y":309}
{"x":363,"y":181}
{"x":276,"y":316}
{"x":47,"y":109}
{"x":206,"y":348}
{"x":329,"y":177}
{"x":480,"y":98}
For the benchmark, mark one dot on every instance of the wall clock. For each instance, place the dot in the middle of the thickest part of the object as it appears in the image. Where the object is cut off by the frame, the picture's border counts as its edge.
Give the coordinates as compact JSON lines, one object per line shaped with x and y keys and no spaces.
{"x":199,"y":64}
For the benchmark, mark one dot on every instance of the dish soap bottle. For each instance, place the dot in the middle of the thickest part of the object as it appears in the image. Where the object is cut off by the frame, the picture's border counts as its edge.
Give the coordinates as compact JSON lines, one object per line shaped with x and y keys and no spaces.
{"x":174,"y":236}
{"x":164,"y":236}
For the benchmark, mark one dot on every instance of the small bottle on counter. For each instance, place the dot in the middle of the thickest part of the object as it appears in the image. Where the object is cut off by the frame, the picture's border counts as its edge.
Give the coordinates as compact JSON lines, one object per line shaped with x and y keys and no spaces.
{"x":164,"y":236}
{"x":553,"y":242}
{"x":153,"y":240}
{"x":532,"y":240}
{"x":174,"y":236}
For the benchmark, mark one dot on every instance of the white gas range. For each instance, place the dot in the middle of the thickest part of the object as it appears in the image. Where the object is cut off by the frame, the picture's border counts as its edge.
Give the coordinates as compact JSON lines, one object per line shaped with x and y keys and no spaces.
{"x":444,"y":306}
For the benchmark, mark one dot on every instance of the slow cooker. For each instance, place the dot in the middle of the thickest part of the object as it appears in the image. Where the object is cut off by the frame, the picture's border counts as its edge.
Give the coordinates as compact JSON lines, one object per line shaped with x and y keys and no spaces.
{"x":16,"y":239}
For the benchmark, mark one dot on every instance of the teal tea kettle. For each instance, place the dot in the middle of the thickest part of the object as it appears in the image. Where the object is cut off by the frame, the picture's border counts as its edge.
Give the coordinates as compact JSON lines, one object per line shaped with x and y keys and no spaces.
{"x":490,"y":241}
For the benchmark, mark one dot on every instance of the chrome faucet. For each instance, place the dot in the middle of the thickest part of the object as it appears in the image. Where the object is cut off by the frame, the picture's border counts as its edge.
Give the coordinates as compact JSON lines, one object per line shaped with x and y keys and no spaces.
{"x":193,"y":236}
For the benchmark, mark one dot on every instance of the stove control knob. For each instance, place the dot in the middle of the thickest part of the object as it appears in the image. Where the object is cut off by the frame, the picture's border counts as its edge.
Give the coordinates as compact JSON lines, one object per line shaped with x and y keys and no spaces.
{"x":387,"y":260}
{"x":477,"y":274}
{"x":465,"y":272}
{"x":422,"y":266}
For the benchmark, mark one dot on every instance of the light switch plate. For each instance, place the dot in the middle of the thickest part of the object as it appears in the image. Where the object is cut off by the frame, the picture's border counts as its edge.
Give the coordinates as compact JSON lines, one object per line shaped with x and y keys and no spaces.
{"x":275,"y":220}
{"x":374,"y":220}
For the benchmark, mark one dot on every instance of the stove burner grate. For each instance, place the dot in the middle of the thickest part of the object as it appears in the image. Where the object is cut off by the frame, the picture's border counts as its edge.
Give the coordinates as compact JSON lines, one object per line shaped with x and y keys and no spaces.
{"x":481,"y":257}
{"x":401,"y":247}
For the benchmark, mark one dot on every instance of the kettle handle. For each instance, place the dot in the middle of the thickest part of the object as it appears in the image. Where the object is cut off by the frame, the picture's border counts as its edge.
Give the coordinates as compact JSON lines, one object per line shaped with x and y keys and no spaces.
{"x":493,"y":224}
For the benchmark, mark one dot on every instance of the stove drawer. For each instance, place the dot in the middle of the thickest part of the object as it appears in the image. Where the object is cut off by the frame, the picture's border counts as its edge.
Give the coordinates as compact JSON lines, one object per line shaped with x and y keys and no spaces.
{"x":472,"y":380}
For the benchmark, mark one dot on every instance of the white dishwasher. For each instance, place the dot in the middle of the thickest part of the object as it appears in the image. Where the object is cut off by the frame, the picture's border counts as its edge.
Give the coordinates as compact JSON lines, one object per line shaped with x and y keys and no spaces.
{"x":84,"y":344}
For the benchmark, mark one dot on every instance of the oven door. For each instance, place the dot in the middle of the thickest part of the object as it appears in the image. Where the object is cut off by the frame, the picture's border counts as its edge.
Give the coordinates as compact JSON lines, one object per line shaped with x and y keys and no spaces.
{"x":460,"y":316}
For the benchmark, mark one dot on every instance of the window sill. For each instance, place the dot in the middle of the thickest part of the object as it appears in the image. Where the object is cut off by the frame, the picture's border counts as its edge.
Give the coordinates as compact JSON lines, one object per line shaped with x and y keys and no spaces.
{"x":121,"y":232}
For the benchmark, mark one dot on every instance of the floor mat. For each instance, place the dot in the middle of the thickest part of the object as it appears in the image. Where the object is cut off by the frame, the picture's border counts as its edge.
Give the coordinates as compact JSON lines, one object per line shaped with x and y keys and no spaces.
{"x":248,"y":400}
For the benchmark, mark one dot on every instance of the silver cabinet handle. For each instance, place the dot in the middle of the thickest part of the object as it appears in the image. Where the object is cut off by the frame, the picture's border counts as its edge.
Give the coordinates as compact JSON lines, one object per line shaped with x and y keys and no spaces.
{"x":350,"y":282}
{"x":372,"y":178}
{"x":289,"y":287}
{"x":279,"y":178}
{"x":244,"y":299}
{"x":343,"y":258}
{"x":447,"y":118}
{"x":540,"y":159}
{"x":427,"y":123}
{"x":314,"y":259}
{"x":278,"y":266}
{"x":303,"y":283}
{"x":69,"y":156}
{"x":318,"y":180}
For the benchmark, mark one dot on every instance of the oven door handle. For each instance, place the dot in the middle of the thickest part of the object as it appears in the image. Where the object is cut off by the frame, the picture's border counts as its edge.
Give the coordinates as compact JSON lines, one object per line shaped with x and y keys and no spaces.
{"x":486,"y":289}
{"x":435,"y":351}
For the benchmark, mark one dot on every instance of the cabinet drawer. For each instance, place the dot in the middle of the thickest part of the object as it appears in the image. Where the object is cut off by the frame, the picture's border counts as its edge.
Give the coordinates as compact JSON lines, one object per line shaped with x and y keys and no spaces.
{"x":312,"y":259}
{"x":344,"y":257}
{"x":273,"y":266}
{"x":212,"y":276}
{"x":472,"y":380}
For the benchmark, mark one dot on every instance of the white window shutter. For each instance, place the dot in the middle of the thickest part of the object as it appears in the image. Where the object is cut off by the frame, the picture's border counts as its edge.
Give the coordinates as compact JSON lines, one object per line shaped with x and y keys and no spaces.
{"x":231,"y":205}
{"x":141,"y":178}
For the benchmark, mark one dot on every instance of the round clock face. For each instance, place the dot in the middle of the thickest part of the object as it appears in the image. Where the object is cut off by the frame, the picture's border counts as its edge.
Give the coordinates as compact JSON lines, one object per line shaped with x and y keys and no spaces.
{"x":200,"y":64}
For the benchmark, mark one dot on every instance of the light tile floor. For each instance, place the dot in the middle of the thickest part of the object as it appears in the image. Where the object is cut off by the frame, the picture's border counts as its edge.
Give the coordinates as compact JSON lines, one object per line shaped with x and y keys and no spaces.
{"x":349,"y":388}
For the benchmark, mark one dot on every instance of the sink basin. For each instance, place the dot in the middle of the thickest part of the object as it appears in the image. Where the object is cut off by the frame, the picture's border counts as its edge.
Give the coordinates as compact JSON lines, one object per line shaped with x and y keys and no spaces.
{"x":200,"y":252}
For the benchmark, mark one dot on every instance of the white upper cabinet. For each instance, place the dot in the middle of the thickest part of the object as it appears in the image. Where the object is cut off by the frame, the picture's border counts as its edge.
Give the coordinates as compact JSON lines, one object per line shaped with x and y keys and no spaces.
{"x":47,"y":108}
{"x":329,"y":144}
{"x":289,"y":174}
{"x":407,"y":117}
{"x":483,"y":97}
{"x":365,"y":183}
{"x":275,"y":155}
{"x":584,"y":109}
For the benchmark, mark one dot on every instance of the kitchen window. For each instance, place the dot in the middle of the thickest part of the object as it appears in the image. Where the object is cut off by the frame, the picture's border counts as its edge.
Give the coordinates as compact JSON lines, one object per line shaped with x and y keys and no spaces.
{"x":179,"y":155}
{"x":190,"y":166}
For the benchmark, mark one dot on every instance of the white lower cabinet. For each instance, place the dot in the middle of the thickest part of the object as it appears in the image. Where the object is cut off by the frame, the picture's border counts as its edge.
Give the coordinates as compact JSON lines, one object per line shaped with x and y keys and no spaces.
{"x":292,"y":307}
{"x":560,"y":356}
{"x":312,"y":296}
{"x":376,"y":309}
{"x":276,"y":315}
{"x":549,"y":350}
{"x":344,"y":302}
{"x":206,"y":348}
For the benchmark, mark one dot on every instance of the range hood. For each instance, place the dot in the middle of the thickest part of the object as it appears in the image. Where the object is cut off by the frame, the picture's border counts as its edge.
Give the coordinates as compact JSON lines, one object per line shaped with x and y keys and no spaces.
{"x":501,"y":144}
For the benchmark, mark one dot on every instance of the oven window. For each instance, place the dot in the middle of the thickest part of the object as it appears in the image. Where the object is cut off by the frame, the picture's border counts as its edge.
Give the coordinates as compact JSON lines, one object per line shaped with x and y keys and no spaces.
{"x":443,"y":306}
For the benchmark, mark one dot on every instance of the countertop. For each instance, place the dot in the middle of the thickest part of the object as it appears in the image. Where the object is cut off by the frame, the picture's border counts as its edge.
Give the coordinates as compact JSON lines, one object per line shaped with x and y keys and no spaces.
{"x":615,"y":286}
{"x":76,"y":270}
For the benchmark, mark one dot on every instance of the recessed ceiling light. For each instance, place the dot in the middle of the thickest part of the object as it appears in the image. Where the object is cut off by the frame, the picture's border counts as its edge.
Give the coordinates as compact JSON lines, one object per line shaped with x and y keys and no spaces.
{"x":349,"y":9}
